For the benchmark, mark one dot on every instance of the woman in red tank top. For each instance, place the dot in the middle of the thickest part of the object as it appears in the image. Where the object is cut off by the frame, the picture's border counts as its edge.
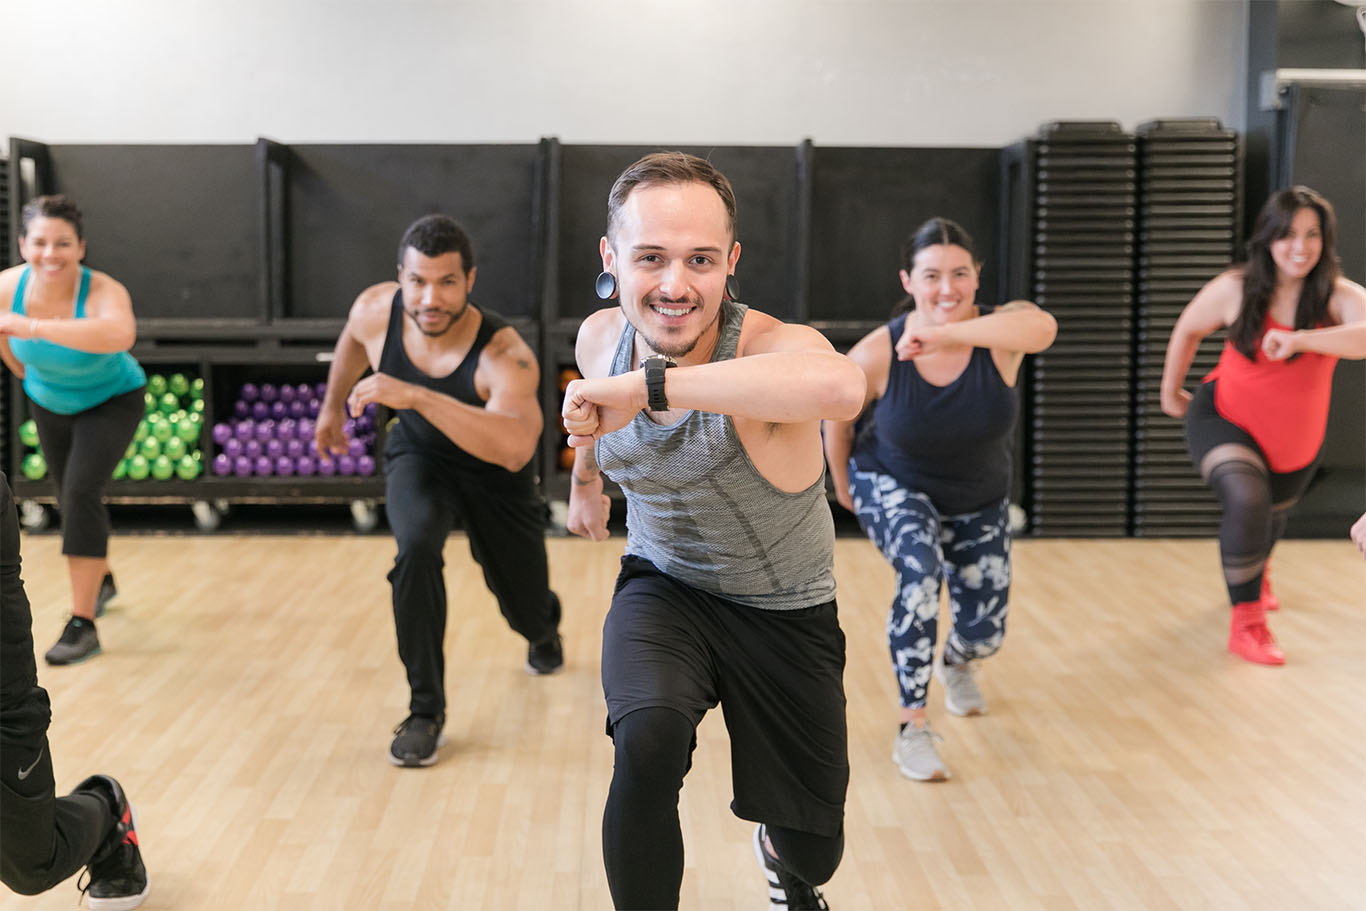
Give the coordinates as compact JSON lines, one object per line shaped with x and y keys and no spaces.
{"x":1255,"y":426}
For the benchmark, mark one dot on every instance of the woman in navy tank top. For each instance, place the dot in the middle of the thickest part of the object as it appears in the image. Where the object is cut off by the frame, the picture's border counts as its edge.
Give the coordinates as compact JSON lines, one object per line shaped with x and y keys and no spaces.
{"x":927,"y":469}
{"x":66,"y":333}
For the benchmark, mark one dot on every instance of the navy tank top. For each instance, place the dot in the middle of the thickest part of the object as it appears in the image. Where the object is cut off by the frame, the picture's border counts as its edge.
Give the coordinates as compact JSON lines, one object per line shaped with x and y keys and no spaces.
{"x":951,"y":443}
{"x":413,"y":432}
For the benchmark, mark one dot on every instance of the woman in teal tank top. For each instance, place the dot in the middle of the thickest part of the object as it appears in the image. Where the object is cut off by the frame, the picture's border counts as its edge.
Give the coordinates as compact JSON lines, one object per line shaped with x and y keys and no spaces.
{"x":66,"y":333}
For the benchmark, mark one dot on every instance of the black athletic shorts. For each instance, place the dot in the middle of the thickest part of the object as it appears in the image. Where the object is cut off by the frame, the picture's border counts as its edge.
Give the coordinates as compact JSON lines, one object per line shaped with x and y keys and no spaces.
{"x":778,"y":675}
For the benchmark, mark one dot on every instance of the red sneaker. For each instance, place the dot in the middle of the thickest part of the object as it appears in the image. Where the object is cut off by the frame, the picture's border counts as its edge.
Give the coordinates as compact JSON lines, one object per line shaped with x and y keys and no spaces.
{"x":1249,"y":638}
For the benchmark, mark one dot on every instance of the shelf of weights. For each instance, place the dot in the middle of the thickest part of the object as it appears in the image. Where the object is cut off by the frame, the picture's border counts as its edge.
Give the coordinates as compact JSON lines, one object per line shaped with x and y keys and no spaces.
{"x":222,"y":428}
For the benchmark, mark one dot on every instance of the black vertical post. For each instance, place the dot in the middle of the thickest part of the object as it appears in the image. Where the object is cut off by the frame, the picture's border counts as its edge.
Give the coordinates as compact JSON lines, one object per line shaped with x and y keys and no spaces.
{"x":801,"y":227}
{"x":272,"y":171}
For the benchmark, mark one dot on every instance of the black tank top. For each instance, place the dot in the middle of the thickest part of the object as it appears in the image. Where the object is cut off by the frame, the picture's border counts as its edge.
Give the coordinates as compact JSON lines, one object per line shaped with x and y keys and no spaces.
{"x":414,"y":433}
{"x":951,"y":443}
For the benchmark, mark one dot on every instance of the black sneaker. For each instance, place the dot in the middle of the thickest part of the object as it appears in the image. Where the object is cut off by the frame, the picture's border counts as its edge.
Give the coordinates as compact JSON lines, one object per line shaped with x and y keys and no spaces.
{"x":108,"y":592}
{"x":545,"y":657}
{"x":785,"y":891}
{"x":118,"y":880}
{"x":416,"y":741}
{"x":77,"y":643}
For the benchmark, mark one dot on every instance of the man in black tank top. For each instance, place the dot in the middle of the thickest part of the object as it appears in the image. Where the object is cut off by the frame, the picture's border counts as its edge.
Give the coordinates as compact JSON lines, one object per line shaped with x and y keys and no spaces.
{"x":726,"y":594}
{"x":465,"y":387}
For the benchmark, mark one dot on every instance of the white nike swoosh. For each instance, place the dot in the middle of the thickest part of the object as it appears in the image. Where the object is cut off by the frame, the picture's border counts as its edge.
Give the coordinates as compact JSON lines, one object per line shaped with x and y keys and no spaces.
{"x":23,"y":773}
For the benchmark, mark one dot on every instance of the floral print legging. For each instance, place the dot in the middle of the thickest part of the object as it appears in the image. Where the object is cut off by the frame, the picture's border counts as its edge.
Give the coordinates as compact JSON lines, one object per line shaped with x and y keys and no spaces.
{"x":972,"y":550}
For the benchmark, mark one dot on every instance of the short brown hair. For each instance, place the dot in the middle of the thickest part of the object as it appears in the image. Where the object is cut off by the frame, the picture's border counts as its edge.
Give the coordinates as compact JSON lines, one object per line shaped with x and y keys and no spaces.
{"x":55,"y":206}
{"x":668,"y":168}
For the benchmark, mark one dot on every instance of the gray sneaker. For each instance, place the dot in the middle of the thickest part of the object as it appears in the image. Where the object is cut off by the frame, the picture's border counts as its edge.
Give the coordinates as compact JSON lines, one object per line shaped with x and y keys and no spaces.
{"x":77,"y":643}
{"x":961,"y":695}
{"x":915,"y":755}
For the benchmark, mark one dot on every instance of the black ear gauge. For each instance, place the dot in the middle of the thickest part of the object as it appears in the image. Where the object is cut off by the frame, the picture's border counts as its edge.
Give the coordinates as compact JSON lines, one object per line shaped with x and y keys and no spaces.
{"x":606,"y":286}
{"x":732,"y":287}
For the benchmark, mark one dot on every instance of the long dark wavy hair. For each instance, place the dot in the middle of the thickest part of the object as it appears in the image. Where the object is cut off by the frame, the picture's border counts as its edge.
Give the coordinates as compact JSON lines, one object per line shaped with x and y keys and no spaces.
{"x":1259,"y":270}
{"x":935,"y":231}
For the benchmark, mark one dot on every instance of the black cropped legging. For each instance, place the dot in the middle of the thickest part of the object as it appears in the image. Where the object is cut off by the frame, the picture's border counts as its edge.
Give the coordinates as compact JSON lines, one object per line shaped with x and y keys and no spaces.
{"x":1255,"y":499}
{"x":642,"y":841}
{"x":82,"y":450}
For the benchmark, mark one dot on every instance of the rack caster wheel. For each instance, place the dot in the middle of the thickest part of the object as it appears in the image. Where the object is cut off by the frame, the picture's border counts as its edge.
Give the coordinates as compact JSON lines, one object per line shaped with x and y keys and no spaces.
{"x":364,"y":515}
{"x":207,"y":516}
{"x":34,"y":515}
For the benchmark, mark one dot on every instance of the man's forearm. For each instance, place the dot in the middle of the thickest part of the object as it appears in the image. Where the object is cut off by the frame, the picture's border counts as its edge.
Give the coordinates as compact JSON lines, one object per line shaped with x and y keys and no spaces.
{"x":781,"y":387}
{"x":585,"y":471}
{"x":349,"y":363}
{"x":507,"y":440}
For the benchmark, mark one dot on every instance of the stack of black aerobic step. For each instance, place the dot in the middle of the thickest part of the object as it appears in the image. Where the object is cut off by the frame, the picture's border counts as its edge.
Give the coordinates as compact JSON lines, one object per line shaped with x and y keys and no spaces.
{"x":1080,"y":389}
{"x":1187,"y":230}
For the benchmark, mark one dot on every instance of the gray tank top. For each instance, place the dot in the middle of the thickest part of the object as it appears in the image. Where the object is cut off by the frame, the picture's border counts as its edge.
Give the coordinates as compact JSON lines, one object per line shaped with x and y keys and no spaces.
{"x":698,"y":509}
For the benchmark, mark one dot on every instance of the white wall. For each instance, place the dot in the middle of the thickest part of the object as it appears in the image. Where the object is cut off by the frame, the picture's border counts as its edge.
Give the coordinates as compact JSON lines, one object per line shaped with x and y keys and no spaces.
{"x":842,"y":72}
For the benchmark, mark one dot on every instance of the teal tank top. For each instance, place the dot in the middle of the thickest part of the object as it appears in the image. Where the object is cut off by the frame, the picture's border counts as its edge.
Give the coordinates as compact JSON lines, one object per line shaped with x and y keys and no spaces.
{"x":64,"y":380}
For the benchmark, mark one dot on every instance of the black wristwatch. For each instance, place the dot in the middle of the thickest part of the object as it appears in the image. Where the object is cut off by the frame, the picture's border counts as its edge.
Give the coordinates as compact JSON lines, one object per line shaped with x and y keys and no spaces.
{"x":654,"y":367}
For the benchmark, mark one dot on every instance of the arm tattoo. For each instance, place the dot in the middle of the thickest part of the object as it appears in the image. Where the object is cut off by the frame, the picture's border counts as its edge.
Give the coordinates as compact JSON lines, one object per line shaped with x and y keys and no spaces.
{"x":590,"y":464}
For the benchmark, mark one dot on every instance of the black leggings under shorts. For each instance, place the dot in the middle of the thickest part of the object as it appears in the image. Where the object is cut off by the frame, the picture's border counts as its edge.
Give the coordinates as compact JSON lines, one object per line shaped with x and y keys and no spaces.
{"x":777,"y":674}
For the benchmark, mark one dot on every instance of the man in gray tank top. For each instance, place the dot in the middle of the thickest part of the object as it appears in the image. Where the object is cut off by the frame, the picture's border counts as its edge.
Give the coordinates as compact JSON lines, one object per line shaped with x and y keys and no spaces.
{"x":708,"y":415}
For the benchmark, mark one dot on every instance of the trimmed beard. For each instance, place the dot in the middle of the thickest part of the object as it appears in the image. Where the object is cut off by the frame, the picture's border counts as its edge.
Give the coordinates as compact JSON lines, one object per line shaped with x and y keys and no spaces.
{"x":455,"y":318}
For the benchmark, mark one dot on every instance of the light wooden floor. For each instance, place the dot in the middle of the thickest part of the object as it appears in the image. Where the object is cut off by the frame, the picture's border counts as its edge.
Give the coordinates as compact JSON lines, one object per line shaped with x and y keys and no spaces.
{"x":249,"y":686}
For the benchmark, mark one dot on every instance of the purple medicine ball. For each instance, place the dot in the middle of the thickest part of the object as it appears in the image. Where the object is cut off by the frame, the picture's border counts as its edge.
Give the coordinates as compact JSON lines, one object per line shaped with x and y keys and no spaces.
{"x":295,"y":448}
{"x":241,"y":466}
{"x":232,"y":447}
{"x":284,"y":465}
{"x":264,"y":466}
{"x":365,"y":465}
{"x":222,"y":433}
{"x":327,"y":467}
{"x":222,"y":464}
{"x":355,"y":448}
{"x":240,"y":409}
{"x":250,"y":393}
{"x":287,"y":393}
{"x":298,"y":408}
{"x":275,"y":449}
{"x":346,"y":465}
{"x":306,"y":465}
{"x":265,"y":430}
{"x":252,"y":449}
{"x":245,"y":429}
{"x":260,"y":410}
{"x":269,"y":393}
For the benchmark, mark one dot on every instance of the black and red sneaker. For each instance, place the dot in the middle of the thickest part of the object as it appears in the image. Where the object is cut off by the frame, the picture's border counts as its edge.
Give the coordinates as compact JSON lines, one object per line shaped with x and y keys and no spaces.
{"x":118,"y":879}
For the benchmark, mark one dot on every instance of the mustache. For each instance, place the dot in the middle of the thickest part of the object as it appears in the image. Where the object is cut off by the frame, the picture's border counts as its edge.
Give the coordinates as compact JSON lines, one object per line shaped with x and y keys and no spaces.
{"x":654,"y":298}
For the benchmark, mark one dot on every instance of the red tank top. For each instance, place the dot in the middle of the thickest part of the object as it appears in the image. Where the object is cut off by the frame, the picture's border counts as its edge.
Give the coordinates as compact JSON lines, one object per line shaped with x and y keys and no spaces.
{"x":1282,"y":404}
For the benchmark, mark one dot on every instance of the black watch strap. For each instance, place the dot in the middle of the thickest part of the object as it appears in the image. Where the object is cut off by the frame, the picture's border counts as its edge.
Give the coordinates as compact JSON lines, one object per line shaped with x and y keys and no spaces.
{"x":654,"y":367}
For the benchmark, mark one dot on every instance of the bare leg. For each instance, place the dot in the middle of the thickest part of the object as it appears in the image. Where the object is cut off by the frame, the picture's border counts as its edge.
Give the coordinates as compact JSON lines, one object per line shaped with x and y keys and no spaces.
{"x":86,"y":574}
